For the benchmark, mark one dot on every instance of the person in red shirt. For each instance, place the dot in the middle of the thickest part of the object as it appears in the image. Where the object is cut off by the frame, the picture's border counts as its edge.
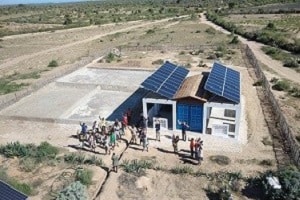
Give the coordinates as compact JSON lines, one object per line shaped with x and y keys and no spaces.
{"x":192,"y":147}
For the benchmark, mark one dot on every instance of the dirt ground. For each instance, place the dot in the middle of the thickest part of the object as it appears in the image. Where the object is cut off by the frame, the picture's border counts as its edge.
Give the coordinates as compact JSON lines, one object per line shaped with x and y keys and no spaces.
{"x":154,"y":184}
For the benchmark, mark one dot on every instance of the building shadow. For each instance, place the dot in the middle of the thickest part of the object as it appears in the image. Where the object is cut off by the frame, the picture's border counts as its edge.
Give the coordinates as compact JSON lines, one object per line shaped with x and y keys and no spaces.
{"x":134,"y":102}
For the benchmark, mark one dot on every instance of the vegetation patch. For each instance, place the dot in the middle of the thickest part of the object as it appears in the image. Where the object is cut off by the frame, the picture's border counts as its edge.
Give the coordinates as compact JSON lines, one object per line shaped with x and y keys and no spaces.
{"x":84,"y":176}
{"x":39,"y":153}
{"x":22,"y":187}
{"x":75,"y":190}
{"x":79,"y":159}
{"x":220,"y":159}
{"x":182,"y":170}
{"x":53,"y":63}
{"x":137,"y":167}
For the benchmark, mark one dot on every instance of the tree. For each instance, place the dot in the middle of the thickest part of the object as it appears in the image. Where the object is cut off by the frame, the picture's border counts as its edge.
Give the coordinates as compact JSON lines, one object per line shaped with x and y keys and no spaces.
{"x":75,"y":191}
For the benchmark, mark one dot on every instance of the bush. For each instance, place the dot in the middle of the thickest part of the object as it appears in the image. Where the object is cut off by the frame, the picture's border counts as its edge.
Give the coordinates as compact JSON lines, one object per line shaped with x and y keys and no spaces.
{"x":182,"y":170}
{"x":39,"y":153}
{"x":281,"y":85}
{"x":294,"y":92}
{"x":235,"y":40}
{"x":290,"y":185}
{"x":211,"y":31}
{"x":53,"y":63}
{"x":75,"y":190}
{"x":84,"y":176}
{"x":137,"y":166}
{"x":110,"y":57}
{"x":291,"y":63}
{"x":220,"y":159}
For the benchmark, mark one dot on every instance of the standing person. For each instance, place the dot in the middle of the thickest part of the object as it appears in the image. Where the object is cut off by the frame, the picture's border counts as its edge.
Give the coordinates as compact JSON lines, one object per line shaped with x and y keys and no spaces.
{"x":197,"y":149}
{"x":92,"y":141}
{"x":184,"y":127}
{"x":145,"y":142}
{"x":115,"y":162}
{"x":102,"y":124}
{"x":128,"y":114}
{"x":133,"y":135}
{"x":94,"y":126}
{"x":192,"y":146}
{"x":175,"y":143}
{"x":157,"y":129}
{"x":112,"y":137}
{"x":83,"y":128}
{"x":117,"y":128}
{"x":106,"y":145}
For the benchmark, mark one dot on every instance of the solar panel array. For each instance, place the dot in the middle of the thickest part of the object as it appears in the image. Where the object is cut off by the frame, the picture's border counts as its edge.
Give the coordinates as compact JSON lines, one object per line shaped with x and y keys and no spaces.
{"x":224,"y":82}
{"x":9,"y":193}
{"x":166,"y":80}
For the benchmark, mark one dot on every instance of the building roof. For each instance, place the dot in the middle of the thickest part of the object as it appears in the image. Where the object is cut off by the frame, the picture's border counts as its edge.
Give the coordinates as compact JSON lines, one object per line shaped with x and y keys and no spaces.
{"x":166,"y":80}
{"x":9,"y":193}
{"x":225,"y":82}
{"x":192,"y":87}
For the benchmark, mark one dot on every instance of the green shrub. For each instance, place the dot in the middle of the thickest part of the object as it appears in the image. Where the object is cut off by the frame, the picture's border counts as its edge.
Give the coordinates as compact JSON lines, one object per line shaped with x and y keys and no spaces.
{"x":220,"y":159}
{"x":42,"y":152}
{"x":291,"y":63}
{"x":110,"y":57}
{"x":281,"y":85}
{"x":53,"y":63}
{"x":211,"y":31}
{"x":75,"y":190}
{"x":290,"y":185}
{"x":84,"y":176}
{"x":182,"y":170}
{"x":294,"y":92}
{"x":235,"y":40}
{"x":150,"y":31}
{"x":137,"y":166}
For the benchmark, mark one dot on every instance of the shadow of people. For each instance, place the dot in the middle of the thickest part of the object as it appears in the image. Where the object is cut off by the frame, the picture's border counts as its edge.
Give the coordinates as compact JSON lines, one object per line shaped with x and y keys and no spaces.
{"x":136,"y":148}
{"x":165,"y":151}
{"x":168,"y":136}
{"x":84,"y":149}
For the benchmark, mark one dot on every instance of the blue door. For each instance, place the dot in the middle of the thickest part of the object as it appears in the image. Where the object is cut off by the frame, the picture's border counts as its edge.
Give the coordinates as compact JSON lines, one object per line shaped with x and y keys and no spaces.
{"x":192,"y":114}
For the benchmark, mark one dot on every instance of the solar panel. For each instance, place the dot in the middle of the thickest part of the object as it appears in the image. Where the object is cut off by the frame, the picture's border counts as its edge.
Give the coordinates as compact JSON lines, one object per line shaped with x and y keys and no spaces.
{"x":8,"y":193}
{"x":166,"y":80}
{"x":224,"y":82}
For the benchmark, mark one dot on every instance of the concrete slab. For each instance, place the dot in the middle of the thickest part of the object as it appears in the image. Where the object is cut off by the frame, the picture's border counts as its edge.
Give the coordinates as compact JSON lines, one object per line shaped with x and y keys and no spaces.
{"x":82,"y":96}
{"x":48,"y":102}
{"x":106,"y":77}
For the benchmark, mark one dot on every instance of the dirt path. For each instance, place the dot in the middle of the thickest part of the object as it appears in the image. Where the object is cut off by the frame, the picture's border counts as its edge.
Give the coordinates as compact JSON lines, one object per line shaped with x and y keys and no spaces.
{"x":28,"y":56}
{"x":275,"y":65}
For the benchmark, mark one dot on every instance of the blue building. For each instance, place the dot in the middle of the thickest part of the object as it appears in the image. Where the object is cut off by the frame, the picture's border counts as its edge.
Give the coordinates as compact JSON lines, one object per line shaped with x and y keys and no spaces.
{"x":208,"y":102}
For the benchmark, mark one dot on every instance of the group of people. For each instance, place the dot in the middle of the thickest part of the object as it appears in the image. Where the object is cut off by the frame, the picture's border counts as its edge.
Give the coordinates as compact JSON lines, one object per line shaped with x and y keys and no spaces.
{"x":107,"y":136}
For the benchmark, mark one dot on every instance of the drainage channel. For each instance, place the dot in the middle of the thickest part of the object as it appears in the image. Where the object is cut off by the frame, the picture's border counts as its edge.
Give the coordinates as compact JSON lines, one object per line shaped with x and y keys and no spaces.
{"x":108,"y":171}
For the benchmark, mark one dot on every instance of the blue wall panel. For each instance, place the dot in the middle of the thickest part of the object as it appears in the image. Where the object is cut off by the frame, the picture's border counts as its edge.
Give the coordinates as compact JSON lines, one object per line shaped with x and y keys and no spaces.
{"x":192,"y":114}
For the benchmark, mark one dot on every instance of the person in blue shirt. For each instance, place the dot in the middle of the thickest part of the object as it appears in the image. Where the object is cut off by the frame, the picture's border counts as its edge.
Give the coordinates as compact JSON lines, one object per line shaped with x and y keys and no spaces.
{"x":83,"y":128}
{"x":184,"y":127}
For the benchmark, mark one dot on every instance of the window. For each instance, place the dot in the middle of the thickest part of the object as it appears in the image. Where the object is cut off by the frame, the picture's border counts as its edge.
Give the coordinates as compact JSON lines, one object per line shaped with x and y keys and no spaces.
{"x":229,"y":113}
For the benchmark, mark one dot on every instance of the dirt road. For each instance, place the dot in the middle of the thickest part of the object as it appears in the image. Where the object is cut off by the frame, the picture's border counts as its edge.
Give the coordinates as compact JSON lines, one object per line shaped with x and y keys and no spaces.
{"x":43,"y":52}
{"x":275,"y":65}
